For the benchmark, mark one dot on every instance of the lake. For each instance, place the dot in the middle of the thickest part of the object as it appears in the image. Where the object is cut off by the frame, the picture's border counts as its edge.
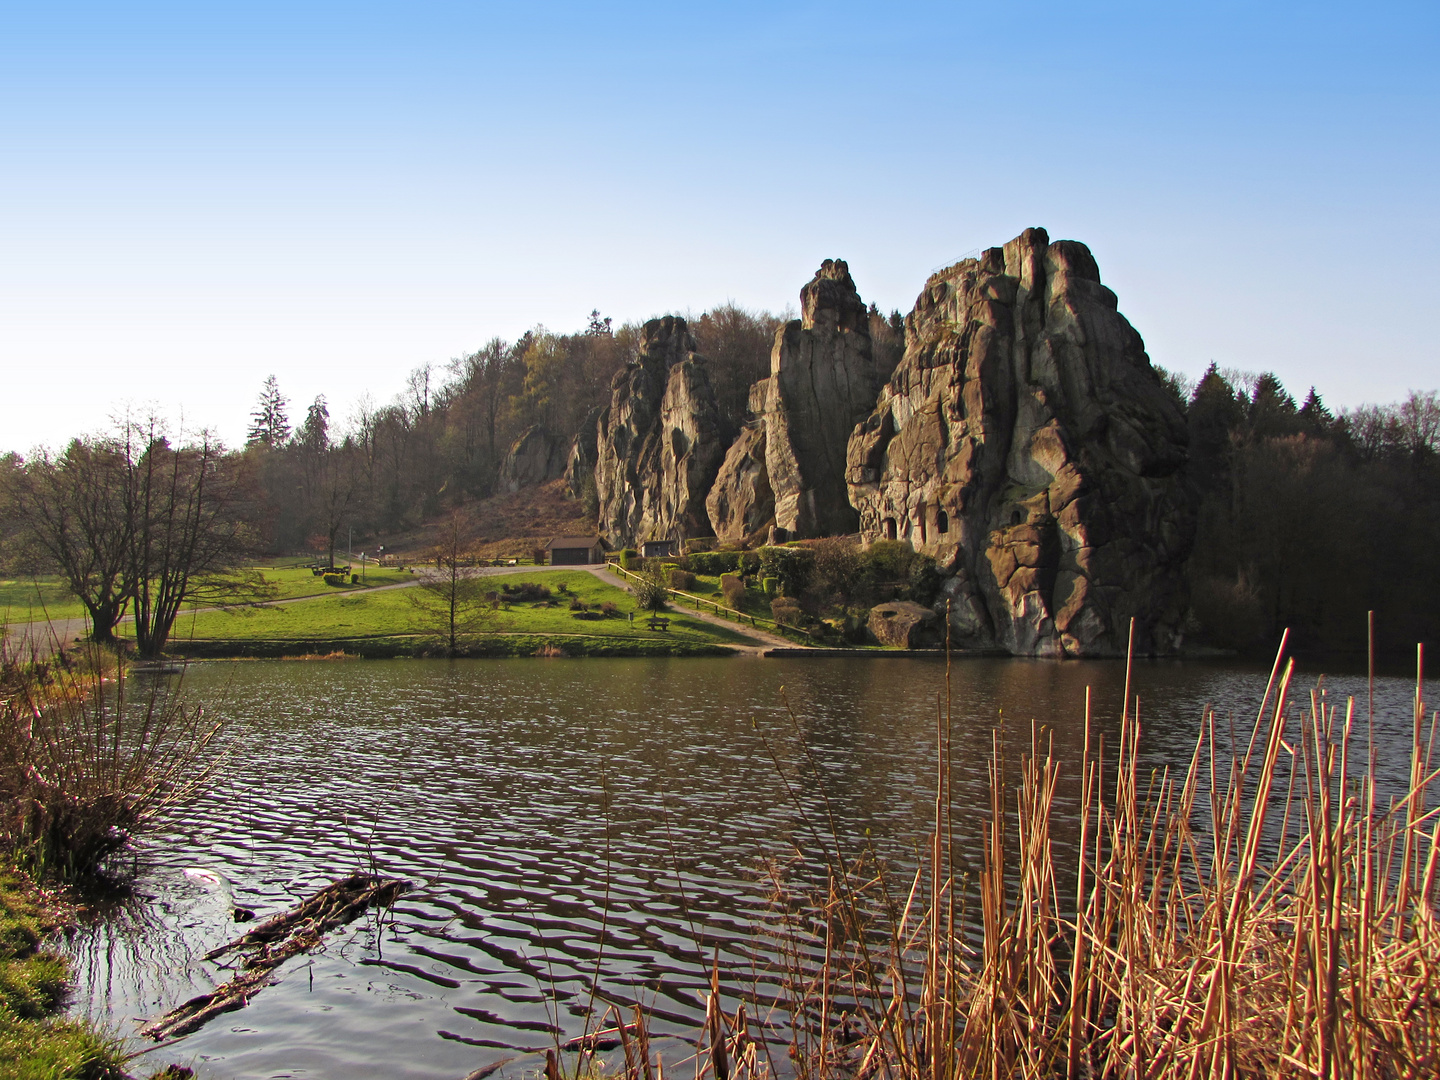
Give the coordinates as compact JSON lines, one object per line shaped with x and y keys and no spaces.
{"x":569,"y":825}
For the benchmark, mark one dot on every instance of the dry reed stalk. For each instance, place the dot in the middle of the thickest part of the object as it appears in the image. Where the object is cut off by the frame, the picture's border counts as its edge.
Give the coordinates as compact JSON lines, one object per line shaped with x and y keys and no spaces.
{"x":1290,"y":931}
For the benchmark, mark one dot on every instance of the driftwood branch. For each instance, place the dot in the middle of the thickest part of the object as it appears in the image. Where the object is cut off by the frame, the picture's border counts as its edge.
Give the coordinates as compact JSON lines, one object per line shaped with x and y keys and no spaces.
{"x":270,"y":944}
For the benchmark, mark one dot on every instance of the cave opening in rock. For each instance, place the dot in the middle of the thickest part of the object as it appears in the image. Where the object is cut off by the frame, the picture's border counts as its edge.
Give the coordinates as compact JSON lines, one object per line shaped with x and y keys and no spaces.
{"x":888,"y":526}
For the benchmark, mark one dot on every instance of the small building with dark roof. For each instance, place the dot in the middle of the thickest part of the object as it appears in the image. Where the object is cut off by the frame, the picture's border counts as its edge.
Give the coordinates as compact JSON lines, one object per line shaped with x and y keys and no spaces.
{"x":659,"y":549}
{"x":576,"y":550}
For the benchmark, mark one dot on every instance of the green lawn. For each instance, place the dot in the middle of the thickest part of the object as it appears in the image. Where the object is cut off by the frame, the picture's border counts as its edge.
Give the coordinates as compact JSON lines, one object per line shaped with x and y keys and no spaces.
{"x":27,"y":600}
{"x":364,"y":614}
{"x":31,"y":600}
{"x":286,"y":582}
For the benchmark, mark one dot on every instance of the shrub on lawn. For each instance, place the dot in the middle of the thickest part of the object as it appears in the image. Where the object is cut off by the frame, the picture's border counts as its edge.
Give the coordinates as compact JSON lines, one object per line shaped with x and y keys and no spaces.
{"x":711,"y":563}
{"x":681,"y":579}
{"x":576,"y":604}
{"x":733,"y":589}
{"x":628,"y":558}
{"x":609,"y":610}
{"x":650,"y":592}
{"x":526,"y":592}
{"x":771,"y":585}
{"x":785,"y":610}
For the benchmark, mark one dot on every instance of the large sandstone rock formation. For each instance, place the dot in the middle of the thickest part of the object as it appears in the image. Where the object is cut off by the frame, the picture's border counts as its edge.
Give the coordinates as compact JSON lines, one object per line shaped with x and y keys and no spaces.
{"x":1026,"y":442}
{"x":789,"y":463}
{"x":535,"y":458}
{"x":660,"y":443}
{"x":580,"y":462}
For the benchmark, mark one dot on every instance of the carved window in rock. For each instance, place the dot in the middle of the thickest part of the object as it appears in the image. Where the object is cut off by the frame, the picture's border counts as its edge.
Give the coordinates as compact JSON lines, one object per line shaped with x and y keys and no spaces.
{"x":942,"y":521}
{"x":888,"y":529}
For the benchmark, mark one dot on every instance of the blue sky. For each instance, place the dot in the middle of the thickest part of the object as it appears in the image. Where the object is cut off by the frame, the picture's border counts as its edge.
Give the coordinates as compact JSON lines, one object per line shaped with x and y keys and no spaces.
{"x":194,"y":197}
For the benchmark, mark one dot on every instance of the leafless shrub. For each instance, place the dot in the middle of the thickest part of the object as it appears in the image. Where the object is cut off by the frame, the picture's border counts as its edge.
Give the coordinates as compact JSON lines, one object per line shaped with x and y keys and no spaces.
{"x":90,"y":758}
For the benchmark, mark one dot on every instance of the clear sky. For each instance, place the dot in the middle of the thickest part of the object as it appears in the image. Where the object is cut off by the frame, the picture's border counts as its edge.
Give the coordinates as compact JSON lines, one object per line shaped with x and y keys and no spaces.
{"x":195,"y":196}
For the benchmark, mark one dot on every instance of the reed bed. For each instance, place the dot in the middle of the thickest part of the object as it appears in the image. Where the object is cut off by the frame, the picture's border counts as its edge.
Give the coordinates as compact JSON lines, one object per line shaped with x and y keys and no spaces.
{"x":1266,"y":911}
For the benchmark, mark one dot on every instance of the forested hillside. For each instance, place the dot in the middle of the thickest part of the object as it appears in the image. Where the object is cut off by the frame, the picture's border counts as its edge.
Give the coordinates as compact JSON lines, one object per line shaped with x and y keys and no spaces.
{"x":1308,"y":519}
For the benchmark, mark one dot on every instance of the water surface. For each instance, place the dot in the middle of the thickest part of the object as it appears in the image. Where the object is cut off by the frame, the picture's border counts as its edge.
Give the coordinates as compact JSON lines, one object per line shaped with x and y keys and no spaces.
{"x":564,"y":820}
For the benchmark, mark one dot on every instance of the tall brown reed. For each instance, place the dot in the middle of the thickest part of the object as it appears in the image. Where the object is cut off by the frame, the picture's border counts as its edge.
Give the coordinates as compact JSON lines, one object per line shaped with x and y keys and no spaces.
{"x":1262,"y":913}
{"x":88,"y":759}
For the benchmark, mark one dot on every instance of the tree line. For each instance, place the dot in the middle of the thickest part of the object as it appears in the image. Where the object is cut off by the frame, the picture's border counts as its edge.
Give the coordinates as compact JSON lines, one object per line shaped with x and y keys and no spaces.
{"x":137,"y":522}
{"x":1308,"y":518}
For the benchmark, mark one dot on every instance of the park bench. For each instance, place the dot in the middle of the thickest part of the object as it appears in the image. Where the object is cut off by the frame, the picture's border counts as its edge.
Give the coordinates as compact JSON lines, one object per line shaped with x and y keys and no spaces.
{"x":658,"y":622}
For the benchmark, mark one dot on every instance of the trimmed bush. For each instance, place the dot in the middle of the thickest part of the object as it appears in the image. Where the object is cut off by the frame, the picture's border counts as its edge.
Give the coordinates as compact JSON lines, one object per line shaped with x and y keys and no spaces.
{"x":628,"y":558}
{"x":770,"y":585}
{"x":890,"y":560}
{"x":334,"y":579}
{"x":681,"y":579}
{"x":734,"y":590}
{"x":785,"y":610}
{"x":711,"y":563}
{"x":790,"y":565}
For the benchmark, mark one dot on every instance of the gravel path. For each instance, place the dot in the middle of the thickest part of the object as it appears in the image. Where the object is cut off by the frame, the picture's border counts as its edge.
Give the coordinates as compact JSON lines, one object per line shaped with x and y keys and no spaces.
{"x":770,"y":640}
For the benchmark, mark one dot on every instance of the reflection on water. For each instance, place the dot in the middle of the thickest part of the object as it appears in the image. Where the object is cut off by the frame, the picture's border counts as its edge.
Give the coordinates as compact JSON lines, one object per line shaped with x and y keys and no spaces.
{"x":563,"y":819}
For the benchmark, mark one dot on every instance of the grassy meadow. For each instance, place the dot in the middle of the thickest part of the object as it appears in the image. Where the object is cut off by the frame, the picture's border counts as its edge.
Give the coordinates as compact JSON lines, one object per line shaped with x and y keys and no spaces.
{"x":36,"y":600}
{"x":349,"y":614}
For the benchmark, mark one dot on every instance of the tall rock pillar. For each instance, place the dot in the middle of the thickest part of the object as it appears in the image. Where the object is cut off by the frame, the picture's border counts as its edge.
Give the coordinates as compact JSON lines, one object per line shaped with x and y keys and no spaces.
{"x":659,"y":445}
{"x":1027,"y":443}
{"x":789,"y":464}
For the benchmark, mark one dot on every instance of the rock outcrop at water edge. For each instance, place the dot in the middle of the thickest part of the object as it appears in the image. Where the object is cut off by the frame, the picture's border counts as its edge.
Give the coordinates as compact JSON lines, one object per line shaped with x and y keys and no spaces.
{"x":1026,"y":442}
{"x":660,"y":443}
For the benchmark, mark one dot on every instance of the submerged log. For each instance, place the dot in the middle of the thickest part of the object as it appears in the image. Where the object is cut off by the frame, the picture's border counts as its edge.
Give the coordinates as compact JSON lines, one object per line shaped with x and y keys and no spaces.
{"x":270,"y":944}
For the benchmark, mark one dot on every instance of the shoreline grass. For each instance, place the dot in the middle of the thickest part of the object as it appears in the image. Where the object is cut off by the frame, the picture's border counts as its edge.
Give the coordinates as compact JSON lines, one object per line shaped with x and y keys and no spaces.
{"x":37,"y":1042}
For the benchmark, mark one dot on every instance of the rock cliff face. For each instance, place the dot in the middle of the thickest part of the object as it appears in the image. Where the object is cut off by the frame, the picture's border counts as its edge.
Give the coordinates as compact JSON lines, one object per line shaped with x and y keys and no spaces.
{"x":535,"y":458}
{"x":580,"y":462}
{"x":659,"y":445}
{"x":789,"y":463}
{"x":740,"y":504}
{"x":1026,"y":442}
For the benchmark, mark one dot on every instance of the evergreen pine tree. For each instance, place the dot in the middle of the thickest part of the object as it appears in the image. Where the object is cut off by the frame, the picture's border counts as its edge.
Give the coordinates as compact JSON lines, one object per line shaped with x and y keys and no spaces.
{"x":268,"y":423}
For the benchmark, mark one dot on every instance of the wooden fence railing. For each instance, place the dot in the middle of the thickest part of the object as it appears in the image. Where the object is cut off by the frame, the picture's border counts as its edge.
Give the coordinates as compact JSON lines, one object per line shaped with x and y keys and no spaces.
{"x":701,"y":602}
